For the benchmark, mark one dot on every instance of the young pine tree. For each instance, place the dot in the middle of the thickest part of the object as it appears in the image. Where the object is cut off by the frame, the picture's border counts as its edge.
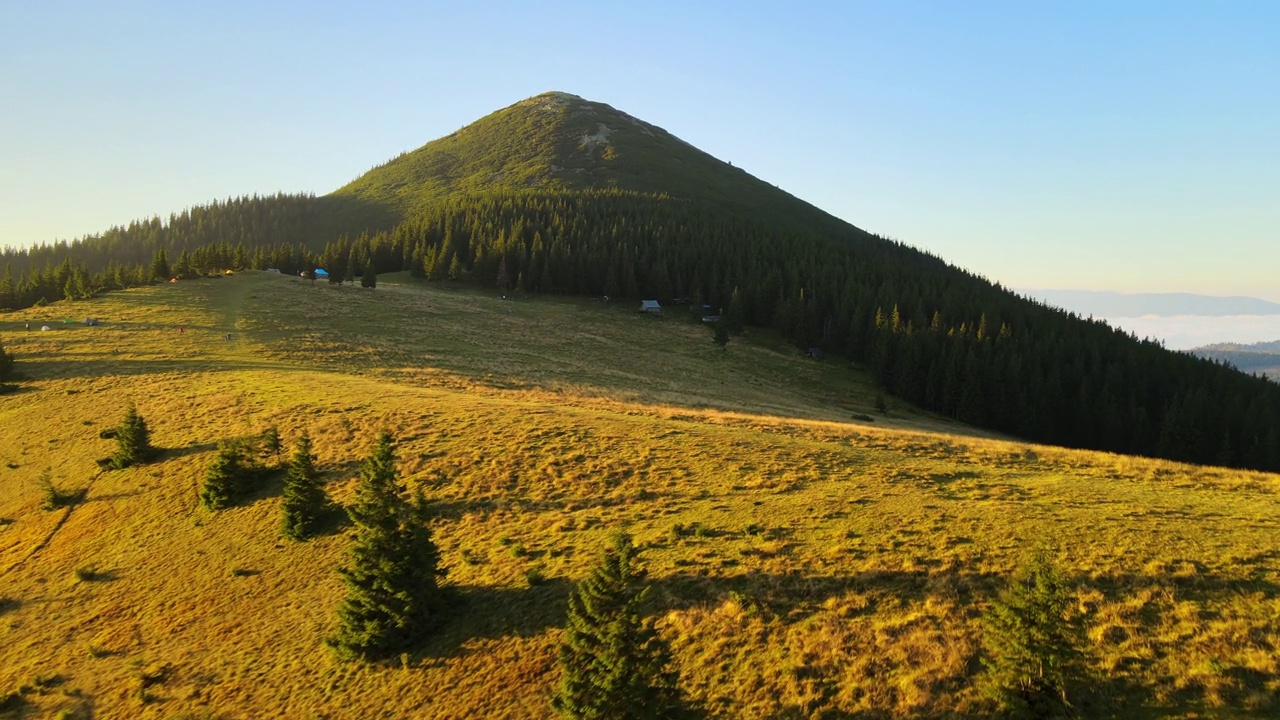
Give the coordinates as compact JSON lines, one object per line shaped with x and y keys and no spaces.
{"x":370,"y":277}
{"x":393,"y":569}
{"x":223,"y":481}
{"x":1033,"y":651}
{"x":133,"y":441}
{"x":615,"y":665}
{"x":304,"y":498}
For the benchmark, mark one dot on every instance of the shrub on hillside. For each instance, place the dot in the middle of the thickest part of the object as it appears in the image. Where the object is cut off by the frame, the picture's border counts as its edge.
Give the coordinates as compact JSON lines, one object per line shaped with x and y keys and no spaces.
{"x":53,"y":497}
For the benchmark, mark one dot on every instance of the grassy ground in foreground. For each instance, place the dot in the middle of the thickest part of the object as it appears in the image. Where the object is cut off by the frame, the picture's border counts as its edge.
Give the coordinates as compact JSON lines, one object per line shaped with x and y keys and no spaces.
{"x":804,"y":565}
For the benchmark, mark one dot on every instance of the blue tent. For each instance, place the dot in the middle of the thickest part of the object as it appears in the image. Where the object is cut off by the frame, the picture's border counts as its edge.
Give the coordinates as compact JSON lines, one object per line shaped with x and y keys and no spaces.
{"x":321,"y":273}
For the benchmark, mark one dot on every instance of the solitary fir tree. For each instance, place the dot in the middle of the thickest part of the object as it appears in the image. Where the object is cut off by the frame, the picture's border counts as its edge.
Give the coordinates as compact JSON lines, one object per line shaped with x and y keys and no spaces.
{"x":1033,"y":653}
{"x":393,"y":569}
{"x":224,"y":480}
{"x":615,"y":665}
{"x":303,"y":497}
{"x":133,"y":441}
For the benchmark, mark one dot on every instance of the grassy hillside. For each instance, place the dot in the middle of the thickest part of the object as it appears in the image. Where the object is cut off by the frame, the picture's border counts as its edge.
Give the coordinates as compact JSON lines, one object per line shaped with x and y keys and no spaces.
{"x":558,"y":141}
{"x":805,"y":564}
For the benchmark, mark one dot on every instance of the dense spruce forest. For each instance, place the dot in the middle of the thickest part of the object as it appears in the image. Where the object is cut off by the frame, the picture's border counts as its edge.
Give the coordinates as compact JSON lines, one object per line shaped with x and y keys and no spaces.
{"x":934,"y":335}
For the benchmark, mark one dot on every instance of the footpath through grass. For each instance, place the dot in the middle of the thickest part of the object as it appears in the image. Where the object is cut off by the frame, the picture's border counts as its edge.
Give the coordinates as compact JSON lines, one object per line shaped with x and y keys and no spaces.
{"x":805,"y":564}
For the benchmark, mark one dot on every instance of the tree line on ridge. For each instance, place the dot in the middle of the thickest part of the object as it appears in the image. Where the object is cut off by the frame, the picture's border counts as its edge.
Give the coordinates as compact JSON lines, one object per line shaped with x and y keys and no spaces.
{"x":937,"y":336}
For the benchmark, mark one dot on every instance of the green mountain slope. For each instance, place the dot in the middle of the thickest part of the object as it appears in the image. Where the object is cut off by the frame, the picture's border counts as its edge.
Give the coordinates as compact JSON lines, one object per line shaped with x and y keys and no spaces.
{"x":556,"y":195}
{"x":557,"y":142}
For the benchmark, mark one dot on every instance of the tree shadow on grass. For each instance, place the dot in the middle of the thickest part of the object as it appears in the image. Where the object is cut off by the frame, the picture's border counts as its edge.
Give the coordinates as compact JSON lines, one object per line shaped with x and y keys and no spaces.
{"x":162,"y":454}
{"x":333,"y":520}
{"x":107,"y":365}
{"x":10,"y":389}
{"x":104,"y":497}
{"x":472,"y":612}
{"x":339,"y":471}
{"x":456,"y":508}
{"x":493,"y":613}
{"x":9,"y":604}
{"x":260,"y":484}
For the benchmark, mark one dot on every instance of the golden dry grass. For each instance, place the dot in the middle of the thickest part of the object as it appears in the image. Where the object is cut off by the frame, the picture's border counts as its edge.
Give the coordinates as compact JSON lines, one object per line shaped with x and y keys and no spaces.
{"x":803,"y":564}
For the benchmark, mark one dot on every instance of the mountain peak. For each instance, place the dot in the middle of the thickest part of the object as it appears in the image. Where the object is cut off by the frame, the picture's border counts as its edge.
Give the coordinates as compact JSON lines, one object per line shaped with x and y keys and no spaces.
{"x":554,"y":96}
{"x":557,"y":141}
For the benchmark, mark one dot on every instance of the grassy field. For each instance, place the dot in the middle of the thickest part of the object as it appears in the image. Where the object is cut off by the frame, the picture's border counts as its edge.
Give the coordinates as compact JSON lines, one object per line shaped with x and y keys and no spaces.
{"x":805,"y":563}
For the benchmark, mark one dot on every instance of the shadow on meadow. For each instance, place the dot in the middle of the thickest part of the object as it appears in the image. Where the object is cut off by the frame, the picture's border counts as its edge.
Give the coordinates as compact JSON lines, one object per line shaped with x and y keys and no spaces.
{"x":107,"y":497}
{"x":93,"y":366}
{"x":786,"y":599}
{"x":163,"y":454}
{"x":456,"y":508}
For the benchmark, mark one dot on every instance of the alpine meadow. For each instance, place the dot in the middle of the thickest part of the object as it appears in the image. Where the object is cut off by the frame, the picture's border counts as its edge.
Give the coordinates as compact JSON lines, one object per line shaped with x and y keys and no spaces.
{"x":825,"y":475}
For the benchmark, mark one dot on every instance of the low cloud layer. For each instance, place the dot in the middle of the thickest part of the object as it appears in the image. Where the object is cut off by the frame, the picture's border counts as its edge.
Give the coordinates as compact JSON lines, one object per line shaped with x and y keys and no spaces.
{"x":1183,"y":332}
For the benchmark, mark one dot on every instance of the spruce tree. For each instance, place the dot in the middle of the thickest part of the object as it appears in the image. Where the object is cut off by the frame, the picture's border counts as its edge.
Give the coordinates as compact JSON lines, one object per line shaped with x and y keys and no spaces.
{"x":222,"y":482}
{"x":503,"y":279}
{"x":615,"y":665}
{"x":182,"y":269}
{"x":370,"y":277}
{"x":735,"y":317}
{"x":160,"y":267}
{"x":133,"y":441}
{"x":6,"y":365}
{"x":393,"y":569}
{"x":1032,"y":650}
{"x":303,"y":497}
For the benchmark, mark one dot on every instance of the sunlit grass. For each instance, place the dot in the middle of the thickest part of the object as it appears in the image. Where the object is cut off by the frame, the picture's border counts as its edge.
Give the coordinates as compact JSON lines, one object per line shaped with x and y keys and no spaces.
{"x":803,"y":562}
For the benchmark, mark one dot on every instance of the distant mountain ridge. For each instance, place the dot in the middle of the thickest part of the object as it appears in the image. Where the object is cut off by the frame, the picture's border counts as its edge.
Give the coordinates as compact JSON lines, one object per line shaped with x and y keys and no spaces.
{"x":1257,"y":359}
{"x":1262,"y":348}
{"x":1107,"y":304}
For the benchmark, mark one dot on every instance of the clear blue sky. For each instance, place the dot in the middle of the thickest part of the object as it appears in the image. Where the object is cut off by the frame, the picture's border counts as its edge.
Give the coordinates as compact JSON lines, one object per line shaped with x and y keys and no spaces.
{"x":1097,"y":145}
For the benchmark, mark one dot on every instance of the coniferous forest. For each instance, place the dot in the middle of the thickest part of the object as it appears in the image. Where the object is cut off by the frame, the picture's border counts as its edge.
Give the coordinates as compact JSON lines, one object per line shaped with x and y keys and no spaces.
{"x":933,"y":334}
